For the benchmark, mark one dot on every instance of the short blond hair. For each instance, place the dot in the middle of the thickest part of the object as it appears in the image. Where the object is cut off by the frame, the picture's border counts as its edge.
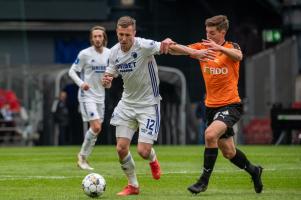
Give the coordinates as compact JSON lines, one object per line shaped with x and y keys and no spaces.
{"x":105,"y":37}
{"x":221,"y":22}
{"x":126,"y":21}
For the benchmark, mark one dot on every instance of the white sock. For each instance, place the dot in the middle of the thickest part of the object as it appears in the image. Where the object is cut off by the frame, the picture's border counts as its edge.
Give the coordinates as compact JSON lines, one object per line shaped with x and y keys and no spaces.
{"x":152,"y":156}
{"x":128,"y":167}
{"x":89,"y":143}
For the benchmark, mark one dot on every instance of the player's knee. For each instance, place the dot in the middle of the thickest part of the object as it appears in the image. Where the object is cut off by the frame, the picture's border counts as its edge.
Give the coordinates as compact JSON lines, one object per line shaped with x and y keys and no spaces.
{"x":143,"y":152}
{"x":122,"y":150}
{"x":96,"y":128}
{"x":229,"y":154}
{"x":210,"y":137}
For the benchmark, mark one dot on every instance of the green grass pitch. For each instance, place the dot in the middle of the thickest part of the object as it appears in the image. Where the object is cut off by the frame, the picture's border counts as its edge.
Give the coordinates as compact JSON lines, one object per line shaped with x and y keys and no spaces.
{"x":39,"y":173}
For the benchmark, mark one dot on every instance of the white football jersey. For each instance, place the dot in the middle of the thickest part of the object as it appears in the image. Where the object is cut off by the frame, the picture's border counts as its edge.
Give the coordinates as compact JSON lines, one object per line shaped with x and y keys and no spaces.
{"x":91,"y":65}
{"x":139,"y":72}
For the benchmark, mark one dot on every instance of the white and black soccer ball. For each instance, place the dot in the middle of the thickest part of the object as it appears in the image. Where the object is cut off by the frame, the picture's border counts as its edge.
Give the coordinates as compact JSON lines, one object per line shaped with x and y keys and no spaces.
{"x":94,"y":185}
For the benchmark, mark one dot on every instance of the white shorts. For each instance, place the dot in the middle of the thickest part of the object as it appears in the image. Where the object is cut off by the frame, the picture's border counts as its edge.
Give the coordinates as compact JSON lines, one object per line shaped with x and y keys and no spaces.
{"x":146,"y":118}
{"x":91,"y":111}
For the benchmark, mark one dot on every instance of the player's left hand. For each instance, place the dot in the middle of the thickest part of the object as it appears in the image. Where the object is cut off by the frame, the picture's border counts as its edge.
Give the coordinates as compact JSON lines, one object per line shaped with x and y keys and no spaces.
{"x":164,"y":48}
{"x":211,"y":45}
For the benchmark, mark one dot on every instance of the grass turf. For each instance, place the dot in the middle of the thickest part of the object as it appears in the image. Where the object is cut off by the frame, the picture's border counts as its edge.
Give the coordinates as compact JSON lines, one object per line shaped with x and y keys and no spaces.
{"x":39,"y":173}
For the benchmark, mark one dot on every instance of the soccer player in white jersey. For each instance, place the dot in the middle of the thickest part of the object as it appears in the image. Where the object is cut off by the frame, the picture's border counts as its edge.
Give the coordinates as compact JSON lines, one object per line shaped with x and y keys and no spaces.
{"x":91,"y":63}
{"x":139,"y":107}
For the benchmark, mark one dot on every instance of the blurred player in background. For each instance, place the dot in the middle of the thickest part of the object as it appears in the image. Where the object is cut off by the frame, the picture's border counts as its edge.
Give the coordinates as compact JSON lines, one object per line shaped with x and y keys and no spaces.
{"x":139,"y":107}
{"x":91,"y":63}
{"x":219,"y":62}
{"x":61,"y":116}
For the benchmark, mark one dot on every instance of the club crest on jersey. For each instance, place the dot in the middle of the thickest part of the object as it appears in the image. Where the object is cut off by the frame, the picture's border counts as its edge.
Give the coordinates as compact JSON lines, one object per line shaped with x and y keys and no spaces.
{"x":91,"y":114}
{"x":134,"y":55}
{"x":152,"y":43}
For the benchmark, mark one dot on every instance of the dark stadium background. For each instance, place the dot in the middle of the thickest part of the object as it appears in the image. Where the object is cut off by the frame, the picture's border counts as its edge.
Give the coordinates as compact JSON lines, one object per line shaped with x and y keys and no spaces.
{"x":46,"y":33}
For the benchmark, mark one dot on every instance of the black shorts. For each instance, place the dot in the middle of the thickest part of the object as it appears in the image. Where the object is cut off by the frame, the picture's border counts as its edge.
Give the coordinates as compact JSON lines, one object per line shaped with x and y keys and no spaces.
{"x":229,"y":114}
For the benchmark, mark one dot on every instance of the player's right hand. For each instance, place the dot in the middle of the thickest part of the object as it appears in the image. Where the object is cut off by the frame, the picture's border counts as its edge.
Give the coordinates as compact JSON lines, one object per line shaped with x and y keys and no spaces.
{"x":107,"y":80}
{"x":204,"y":54}
{"x":164,"y":48}
{"x":85,"y":86}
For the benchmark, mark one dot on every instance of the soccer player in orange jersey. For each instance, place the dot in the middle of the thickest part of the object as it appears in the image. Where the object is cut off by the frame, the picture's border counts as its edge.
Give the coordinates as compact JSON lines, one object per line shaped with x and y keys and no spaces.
{"x":219,"y":62}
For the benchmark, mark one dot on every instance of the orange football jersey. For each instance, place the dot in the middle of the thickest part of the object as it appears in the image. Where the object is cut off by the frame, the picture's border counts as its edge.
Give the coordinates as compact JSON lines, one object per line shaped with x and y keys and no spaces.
{"x":220,"y":76}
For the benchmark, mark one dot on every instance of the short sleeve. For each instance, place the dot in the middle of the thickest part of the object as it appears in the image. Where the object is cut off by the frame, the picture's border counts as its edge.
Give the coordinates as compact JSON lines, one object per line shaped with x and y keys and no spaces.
{"x":112,"y":67}
{"x":236,"y":46}
{"x":79,"y":62}
{"x":151,"y":47}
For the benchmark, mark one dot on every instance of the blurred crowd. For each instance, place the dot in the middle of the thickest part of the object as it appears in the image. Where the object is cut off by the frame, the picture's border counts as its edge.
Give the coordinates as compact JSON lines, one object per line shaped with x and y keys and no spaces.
{"x":14,"y":121}
{"x":9,"y":105}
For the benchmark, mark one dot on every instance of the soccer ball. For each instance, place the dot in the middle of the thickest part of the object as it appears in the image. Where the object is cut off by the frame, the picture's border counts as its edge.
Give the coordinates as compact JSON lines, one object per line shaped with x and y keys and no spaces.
{"x":94,"y":185}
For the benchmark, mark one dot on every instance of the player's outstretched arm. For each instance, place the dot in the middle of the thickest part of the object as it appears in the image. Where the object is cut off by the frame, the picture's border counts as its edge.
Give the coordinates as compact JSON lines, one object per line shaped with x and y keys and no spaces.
{"x":197,"y":54}
{"x":179,"y":49}
{"x":204,"y":54}
{"x":106,"y":80}
{"x":165,"y":45}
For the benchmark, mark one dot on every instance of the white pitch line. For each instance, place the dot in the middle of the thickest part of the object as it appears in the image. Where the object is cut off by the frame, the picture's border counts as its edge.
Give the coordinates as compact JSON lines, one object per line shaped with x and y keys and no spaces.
{"x":19,"y":177}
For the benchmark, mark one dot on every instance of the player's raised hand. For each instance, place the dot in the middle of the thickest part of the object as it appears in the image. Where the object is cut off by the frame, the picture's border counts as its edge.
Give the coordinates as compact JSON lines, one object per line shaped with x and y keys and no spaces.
{"x":211,"y":45}
{"x":204,"y":54}
{"x":85,"y":86}
{"x":106,"y":80}
{"x":164,"y":48}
